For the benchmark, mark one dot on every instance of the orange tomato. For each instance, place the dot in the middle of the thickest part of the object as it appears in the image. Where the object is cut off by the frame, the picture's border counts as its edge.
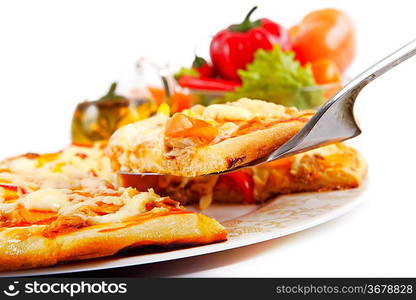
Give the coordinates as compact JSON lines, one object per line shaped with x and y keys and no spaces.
{"x":158,"y":94}
{"x":325,"y":71}
{"x":282,"y":163}
{"x":178,"y":102}
{"x":177,"y":124}
{"x":324,"y":34}
{"x":181,"y":125}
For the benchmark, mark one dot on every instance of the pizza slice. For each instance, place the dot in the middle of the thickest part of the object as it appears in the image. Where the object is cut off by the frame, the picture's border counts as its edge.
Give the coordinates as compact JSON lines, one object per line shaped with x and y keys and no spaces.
{"x":52,"y":225}
{"x":72,"y":168}
{"x":332,"y":167}
{"x":65,"y":206}
{"x":204,"y":140}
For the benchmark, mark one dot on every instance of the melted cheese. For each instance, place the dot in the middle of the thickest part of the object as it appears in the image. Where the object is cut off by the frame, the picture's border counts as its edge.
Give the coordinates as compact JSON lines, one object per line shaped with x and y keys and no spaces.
{"x":46,"y":199}
{"x":262,"y":109}
{"x":84,"y":158}
{"x":226,"y":130}
{"x":322,"y":151}
{"x":134,"y":134}
{"x":6,"y":208}
{"x":132,"y":206}
{"x":70,"y":169}
{"x":21,"y":165}
{"x":227,"y":112}
{"x":127,"y":143}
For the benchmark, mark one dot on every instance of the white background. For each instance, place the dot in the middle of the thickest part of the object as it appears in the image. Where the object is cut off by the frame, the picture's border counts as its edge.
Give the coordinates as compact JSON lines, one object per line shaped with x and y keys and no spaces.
{"x":54,"y":54}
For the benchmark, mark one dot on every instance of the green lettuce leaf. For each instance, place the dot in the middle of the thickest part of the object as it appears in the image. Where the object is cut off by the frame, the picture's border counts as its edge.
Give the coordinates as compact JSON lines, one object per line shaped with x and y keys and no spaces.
{"x":186,"y":72}
{"x":276,"y":76}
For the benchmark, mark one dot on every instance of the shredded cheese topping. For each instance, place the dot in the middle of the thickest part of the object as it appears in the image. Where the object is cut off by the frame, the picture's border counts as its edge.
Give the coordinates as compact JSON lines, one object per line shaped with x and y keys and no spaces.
{"x":46,"y":199}
{"x":76,"y":182}
{"x":73,"y":168}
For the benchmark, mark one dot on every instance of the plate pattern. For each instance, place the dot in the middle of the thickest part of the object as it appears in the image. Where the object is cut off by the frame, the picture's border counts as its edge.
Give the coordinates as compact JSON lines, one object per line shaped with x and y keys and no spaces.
{"x":285,"y":211}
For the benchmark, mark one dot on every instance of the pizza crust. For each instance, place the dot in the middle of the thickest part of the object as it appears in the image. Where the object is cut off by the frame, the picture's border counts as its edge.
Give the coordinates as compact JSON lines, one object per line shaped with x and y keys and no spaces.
{"x":26,"y":247}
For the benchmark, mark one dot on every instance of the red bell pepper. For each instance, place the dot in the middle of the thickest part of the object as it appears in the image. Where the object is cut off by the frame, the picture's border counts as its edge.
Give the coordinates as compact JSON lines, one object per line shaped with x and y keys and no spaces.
{"x":204,"y":69}
{"x":210,"y":84}
{"x":242,"y":181}
{"x":233,"y":48}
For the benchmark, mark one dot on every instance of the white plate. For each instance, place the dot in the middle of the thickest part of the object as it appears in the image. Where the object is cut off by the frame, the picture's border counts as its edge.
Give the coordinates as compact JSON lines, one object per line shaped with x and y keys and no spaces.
{"x":247,"y":224}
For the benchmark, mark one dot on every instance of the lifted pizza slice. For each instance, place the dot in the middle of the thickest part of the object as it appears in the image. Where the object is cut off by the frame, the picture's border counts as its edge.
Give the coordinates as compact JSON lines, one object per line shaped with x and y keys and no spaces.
{"x":204,"y":140}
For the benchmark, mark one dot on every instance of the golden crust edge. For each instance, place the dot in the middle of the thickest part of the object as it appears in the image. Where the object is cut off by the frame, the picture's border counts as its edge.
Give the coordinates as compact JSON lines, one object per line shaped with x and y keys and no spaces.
{"x":169,"y":230}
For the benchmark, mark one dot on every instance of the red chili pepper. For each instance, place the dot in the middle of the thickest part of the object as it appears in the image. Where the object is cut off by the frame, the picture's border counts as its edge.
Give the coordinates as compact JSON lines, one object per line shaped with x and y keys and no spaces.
{"x":211,"y":84}
{"x":12,"y":191}
{"x":233,"y":48}
{"x":9,"y":187}
{"x":205,"y":69}
{"x":243,"y":181}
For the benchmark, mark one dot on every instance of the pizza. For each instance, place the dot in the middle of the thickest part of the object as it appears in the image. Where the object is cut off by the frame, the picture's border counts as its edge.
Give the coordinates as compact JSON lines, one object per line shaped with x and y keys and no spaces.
{"x":63,"y":206}
{"x":74,"y":204}
{"x":203,"y":140}
{"x":333,"y":167}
